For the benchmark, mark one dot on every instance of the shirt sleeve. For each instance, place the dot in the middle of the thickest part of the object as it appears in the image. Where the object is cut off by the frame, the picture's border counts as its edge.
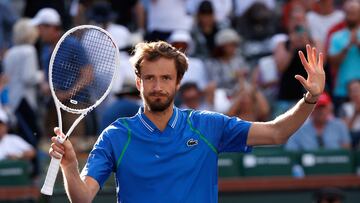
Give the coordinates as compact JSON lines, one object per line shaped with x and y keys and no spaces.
{"x":335,"y":45}
{"x":100,"y":162}
{"x":345,"y":135}
{"x":21,"y":144}
{"x":234,"y":135}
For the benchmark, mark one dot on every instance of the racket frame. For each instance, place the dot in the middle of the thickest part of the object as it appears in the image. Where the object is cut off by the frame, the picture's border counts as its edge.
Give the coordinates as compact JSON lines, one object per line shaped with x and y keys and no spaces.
{"x":53,"y":169}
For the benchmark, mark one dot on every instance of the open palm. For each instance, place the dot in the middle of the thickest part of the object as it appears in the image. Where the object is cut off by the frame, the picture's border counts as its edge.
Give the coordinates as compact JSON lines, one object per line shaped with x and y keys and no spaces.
{"x":313,"y":65}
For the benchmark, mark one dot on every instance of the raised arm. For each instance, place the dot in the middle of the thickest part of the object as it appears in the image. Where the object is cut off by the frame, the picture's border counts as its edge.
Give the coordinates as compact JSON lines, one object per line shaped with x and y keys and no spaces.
{"x":78,"y":189}
{"x":280,"y":129}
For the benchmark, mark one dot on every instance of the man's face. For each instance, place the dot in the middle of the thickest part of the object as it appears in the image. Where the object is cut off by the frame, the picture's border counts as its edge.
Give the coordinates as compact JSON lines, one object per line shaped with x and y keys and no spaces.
{"x":322,"y":113}
{"x":47,"y":33}
{"x":352,"y":10}
{"x":192,"y":98}
{"x":158,"y":84}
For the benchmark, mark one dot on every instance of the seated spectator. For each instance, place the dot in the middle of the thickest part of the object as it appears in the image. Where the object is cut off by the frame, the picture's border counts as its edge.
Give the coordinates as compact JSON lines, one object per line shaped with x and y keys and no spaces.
{"x":249,"y":104}
{"x":24,"y":79}
{"x":350,"y":112}
{"x":288,"y":63}
{"x":222,"y":9}
{"x":266,"y":75}
{"x":164,"y":17}
{"x":191,"y":97}
{"x":228,"y":67}
{"x":344,"y":52}
{"x":204,"y":30}
{"x":321,"y":131}
{"x":322,"y":19}
{"x":182,"y":40}
{"x":13,"y":146}
{"x":126,"y":104}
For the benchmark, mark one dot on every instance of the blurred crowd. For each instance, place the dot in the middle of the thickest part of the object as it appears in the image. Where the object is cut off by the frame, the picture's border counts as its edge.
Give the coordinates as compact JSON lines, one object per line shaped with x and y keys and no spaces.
{"x":243,"y":56}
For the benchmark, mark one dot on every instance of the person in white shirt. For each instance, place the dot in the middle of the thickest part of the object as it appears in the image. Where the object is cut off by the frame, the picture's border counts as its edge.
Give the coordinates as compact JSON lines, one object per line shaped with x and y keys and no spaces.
{"x":13,"y":146}
{"x":22,"y":70}
{"x":182,"y":40}
{"x":166,"y":16}
{"x":223,"y":9}
{"x":350,"y":112}
{"x":322,"y":20}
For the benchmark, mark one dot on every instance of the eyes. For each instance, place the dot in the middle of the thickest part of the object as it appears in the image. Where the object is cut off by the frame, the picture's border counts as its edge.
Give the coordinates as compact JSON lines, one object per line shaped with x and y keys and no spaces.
{"x":163,"y":78}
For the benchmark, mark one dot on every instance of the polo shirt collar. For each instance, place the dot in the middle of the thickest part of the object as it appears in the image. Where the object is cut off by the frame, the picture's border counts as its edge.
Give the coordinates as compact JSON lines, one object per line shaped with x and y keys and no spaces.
{"x":150,"y":126}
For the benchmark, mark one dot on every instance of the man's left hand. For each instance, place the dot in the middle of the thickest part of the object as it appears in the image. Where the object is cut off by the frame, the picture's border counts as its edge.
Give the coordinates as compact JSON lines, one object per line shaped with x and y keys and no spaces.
{"x":313,"y":65}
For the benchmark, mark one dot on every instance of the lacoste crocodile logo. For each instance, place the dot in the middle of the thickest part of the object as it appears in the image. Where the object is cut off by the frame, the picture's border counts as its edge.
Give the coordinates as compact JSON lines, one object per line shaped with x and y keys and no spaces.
{"x":191,"y":142}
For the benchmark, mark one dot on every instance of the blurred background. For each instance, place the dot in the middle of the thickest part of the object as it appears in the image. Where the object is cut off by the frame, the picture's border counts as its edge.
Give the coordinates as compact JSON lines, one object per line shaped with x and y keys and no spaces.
{"x":242,"y":62}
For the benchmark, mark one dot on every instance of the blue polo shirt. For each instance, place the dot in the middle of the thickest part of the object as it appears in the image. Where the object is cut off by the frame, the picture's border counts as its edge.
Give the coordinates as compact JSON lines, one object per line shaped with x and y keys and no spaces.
{"x":349,"y":67}
{"x":178,"y":164}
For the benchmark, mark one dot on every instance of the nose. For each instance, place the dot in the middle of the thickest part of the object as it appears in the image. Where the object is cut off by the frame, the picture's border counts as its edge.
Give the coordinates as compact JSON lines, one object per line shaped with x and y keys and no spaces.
{"x":157,"y":85}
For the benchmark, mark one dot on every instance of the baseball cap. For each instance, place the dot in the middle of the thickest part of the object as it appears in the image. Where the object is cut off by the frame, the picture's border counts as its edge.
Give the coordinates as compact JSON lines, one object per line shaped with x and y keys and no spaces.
{"x":323,"y":100}
{"x":226,"y":36}
{"x":180,"y":36}
{"x":47,"y":16}
{"x":3,"y":116}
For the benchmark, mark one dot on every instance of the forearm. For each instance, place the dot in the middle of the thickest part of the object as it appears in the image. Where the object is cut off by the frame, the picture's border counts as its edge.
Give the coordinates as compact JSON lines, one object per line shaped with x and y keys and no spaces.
{"x":289,"y":122}
{"x":28,"y":155}
{"x":76,"y":188}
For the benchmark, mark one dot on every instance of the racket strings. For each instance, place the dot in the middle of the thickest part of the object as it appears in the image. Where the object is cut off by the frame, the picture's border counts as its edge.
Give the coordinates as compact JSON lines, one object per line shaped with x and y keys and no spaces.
{"x":83,"y":68}
{"x":101,"y":48}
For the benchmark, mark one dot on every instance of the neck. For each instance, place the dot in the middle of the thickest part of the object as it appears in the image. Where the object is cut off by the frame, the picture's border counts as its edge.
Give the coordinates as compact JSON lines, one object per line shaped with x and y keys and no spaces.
{"x":159,"y":118}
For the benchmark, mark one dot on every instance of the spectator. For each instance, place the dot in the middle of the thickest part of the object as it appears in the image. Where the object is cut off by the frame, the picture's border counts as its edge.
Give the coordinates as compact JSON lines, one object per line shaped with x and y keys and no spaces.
{"x":322,"y":19}
{"x":250,"y":104}
{"x":191,"y":97}
{"x":32,"y":7}
{"x":344,"y":52}
{"x":7,"y":20}
{"x":329,"y":195}
{"x":181,"y":40}
{"x":228,"y":67}
{"x":126,"y":104}
{"x":241,"y":6}
{"x":222,"y":9}
{"x":24,"y":76}
{"x":130,"y":14}
{"x":287,"y":62}
{"x":350,"y":112}
{"x":12,"y":146}
{"x":266,"y":75}
{"x":204,"y":30}
{"x":164,"y":17}
{"x":256,"y":26}
{"x":321,"y":131}
{"x":101,"y":14}
{"x":49,"y":26}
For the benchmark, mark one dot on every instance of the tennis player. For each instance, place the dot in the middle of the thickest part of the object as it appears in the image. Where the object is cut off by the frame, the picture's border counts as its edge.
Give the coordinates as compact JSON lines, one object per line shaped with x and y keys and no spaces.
{"x":166,"y":154}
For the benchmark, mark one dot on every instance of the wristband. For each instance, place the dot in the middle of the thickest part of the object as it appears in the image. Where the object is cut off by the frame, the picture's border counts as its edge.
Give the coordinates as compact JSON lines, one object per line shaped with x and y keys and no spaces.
{"x":306,"y":101}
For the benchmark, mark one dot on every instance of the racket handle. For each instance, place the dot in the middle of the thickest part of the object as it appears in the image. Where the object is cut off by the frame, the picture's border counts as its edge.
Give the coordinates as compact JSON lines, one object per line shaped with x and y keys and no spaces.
{"x":51,"y":175}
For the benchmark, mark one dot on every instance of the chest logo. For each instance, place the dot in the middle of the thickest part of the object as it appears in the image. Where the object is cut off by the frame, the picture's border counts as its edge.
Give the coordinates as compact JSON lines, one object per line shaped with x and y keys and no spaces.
{"x":192,"y":142}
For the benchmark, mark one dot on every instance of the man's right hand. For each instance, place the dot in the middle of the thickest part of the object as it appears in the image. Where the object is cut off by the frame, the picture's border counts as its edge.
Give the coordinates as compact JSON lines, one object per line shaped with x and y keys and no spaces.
{"x":64,"y":150}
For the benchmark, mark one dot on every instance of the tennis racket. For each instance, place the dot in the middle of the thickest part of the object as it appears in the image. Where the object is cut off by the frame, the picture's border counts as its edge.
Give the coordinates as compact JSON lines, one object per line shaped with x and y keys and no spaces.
{"x":81,"y":71}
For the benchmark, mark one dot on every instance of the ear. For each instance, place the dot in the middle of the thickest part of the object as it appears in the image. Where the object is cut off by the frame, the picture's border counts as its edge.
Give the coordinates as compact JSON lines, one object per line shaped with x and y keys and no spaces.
{"x":138,"y":83}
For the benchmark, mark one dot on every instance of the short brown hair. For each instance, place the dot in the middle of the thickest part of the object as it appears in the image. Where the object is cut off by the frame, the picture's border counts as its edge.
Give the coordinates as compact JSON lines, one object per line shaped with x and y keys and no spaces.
{"x":152,"y":51}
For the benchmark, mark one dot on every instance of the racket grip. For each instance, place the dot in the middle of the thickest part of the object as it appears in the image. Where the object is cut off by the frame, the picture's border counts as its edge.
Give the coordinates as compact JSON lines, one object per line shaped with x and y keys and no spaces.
{"x":51,"y":175}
